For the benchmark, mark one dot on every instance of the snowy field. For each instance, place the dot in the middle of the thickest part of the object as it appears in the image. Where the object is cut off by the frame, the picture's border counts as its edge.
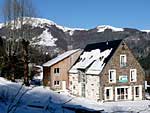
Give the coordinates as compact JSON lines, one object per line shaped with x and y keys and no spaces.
{"x":15,"y":98}
{"x":141,"y":106}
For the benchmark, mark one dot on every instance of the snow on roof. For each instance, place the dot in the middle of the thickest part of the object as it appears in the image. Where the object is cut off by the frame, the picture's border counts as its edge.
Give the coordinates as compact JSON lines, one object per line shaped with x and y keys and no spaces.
{"x":93,"y":59}
{"x":59,"y":58}
{"x":96,"y":67}
{"x":38,"y":77}
{"x":95,"y":56}
{"x":38,"y":66}
{"x":102,"y":28}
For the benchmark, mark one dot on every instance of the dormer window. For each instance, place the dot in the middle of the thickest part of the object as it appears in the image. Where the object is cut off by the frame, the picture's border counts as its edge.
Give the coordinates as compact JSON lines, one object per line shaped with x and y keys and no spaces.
{"x":123,"y":60}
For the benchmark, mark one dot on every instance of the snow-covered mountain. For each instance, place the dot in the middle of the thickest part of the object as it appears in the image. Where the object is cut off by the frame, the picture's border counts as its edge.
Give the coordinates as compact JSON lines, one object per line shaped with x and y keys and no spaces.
{"x":46,"y":38}
{"x":55,"y":38}
{"x":146,"y":31}
{"x":102,"y":28}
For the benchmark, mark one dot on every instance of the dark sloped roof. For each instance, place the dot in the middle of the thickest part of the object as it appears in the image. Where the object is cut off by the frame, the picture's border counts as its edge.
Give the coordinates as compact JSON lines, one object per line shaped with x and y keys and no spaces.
{"x":95,"y":56}
{"x":104,"y":46}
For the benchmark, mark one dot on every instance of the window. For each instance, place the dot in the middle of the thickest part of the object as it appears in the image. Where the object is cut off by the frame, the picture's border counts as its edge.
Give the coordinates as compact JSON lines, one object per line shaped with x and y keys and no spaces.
{"x":83,"y":90}
{"x":108,"y":93}
{"x":133,"y":75}
{"x":74,"y":87}
{"x":56,"y":83}
{"x":56,"y":70}
{"x":70,"y":82}
{"x":123,"y":60}
{"x":137,"y":94}
{"x":122,"y":93}
{"x":112,"y":76}
{"x":82,"y":77}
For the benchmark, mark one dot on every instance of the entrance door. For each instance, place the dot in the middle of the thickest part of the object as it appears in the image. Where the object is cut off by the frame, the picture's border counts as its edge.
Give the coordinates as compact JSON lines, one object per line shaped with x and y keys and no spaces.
{"x":122,"y":93}
{"x":63,"y":85}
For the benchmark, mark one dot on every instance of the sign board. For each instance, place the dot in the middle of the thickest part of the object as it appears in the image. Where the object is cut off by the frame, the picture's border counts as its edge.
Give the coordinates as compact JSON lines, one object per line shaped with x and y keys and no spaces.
{"x":123,"y":78}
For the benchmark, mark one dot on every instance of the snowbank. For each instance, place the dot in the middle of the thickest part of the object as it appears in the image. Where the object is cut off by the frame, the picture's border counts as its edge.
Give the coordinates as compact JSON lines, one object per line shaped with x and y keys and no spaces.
{"x":18,"y":98}
{"x":43,"y":100}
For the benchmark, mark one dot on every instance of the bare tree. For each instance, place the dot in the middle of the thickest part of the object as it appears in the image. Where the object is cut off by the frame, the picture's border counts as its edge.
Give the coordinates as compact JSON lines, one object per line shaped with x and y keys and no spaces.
{"x":17,"y":14}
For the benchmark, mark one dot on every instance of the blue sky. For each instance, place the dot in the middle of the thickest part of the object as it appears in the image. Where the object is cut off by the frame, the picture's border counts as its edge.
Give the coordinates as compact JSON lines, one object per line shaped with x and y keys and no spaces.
{"x":91,"y":13}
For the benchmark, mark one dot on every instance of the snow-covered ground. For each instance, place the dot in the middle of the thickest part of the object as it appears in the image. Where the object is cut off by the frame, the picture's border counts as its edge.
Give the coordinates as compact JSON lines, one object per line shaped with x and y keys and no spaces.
{"x":141,"y":106}
{"x":15,"y":98}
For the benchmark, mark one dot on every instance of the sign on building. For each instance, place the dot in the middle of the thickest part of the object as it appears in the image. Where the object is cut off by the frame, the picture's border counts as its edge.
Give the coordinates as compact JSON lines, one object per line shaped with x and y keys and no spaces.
{"x":123,"y":78}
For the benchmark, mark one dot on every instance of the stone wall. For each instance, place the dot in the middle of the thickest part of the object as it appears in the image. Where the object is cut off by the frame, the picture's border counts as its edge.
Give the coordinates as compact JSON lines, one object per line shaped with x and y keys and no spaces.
{"x":114,"y":63}
{"x":91,"y":86}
